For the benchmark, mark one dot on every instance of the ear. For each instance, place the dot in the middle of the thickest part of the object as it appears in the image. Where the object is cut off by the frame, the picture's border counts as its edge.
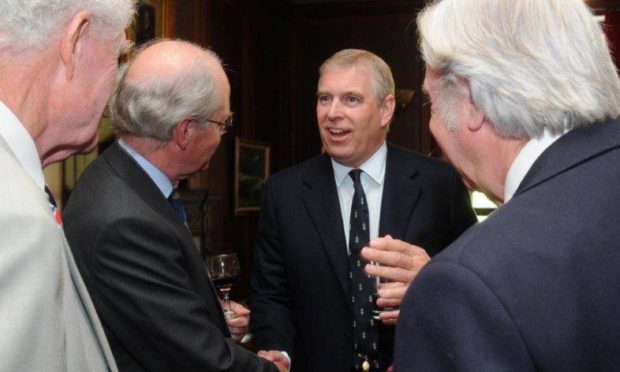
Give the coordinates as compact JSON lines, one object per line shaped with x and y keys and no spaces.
{"x":475,"y":116}
{"x":387,"y":110}
{"x":71,"y":42}
{"x":182,"y":133}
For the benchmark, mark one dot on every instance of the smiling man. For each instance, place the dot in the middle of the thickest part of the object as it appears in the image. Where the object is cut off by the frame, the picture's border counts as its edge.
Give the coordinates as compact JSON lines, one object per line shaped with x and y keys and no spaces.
{"x":306,"y":266}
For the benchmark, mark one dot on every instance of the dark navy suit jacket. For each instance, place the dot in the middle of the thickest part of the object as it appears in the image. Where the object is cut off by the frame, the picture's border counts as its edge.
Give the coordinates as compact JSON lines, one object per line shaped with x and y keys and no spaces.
{"x":300,"y":302}
{"x":536,"y":286}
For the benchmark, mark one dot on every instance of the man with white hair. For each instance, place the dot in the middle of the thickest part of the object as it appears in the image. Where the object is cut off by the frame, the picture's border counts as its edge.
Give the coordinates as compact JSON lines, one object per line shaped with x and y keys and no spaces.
{"x":525,"y":100}
{"x":139,"y":260}
{"x":58,"y":60}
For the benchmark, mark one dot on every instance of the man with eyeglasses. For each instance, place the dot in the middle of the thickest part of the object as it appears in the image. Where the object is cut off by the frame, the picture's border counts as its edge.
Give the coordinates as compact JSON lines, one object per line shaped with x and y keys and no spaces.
{"x":147,"y":280}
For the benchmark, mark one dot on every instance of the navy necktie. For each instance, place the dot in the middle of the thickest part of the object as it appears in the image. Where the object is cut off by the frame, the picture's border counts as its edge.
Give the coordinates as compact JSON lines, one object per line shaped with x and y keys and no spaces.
{"x":365,"y":328}
{"x":174,"y":201}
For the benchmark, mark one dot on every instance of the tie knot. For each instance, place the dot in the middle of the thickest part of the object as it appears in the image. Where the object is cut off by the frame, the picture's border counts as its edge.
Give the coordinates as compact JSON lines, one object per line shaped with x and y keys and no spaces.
{"x":173,"y":195}
{"x":175,"y":202}
{"x":355,"y":175}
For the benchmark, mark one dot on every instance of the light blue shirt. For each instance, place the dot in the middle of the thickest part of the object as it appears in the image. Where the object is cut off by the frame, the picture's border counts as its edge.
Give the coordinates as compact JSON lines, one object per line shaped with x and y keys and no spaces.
{"x":161,"y":180}
{"x":372,"y":179}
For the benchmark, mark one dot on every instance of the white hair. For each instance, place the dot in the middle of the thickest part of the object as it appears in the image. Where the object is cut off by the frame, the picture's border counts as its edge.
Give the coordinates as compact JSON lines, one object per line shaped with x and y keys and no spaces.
{"x":152,"y":108}
{"x":530,"y":65}
{"x":33,"y":24}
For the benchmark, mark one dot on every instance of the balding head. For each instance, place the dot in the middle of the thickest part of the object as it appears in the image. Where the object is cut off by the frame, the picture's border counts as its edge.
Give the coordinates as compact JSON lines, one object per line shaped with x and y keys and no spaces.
{"x":165,"y":83}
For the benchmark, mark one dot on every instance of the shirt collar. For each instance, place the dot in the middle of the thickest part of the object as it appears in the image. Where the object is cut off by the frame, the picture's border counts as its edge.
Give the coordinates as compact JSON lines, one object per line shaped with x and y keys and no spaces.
{"x":373,"y":167}
{"x":524,"y":161}
{"x":22,"y":145}
{"x":161,"y":180}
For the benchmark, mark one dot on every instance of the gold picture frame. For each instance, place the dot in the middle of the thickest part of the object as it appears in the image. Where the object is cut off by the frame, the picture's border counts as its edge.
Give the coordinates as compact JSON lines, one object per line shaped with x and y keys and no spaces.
{"x":252,"y":162}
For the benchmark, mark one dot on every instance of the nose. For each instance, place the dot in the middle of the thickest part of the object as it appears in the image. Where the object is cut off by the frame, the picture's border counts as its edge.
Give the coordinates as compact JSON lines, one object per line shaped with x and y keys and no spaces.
{"x":334,"y":111}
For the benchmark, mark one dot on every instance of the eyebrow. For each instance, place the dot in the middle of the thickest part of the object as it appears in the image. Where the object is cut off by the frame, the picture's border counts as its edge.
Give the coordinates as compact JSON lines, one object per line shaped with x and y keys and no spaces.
{"x":347,"y":93}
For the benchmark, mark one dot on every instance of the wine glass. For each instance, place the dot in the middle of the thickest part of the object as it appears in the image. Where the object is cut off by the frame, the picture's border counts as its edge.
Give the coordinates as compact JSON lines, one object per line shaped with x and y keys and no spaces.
{"x":224,"y":270}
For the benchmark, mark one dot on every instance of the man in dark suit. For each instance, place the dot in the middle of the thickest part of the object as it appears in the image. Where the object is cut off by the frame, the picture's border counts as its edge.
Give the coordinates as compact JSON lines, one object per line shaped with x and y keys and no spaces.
{"x":525,"y":104}
{"x":140,"y":264}
{"x":304,"y":269}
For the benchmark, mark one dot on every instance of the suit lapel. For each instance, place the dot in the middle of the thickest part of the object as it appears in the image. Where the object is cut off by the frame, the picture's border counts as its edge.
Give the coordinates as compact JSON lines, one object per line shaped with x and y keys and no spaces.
{"x":400,"y":194}
{"x":321,"y":201}
{"x":570,"y":150}
{"x":137,"y":179}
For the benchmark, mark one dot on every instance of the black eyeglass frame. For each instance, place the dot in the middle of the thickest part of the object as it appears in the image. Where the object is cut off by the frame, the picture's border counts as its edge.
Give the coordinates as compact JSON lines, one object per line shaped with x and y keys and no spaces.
{"x":227,"y":124}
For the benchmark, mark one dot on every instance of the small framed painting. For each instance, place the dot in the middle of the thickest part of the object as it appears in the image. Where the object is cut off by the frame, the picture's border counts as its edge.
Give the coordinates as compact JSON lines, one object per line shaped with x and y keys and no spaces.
{"x":251,"y":171}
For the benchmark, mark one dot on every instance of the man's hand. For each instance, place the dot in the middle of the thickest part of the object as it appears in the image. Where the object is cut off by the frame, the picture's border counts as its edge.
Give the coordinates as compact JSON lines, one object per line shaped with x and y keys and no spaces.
{"x":238,"y":325}
{"x":277,"y":357}
{"x":398,"y":264}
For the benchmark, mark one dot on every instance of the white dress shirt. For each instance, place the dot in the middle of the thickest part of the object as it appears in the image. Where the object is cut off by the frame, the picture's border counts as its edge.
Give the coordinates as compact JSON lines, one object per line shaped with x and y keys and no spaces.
{"x":372,"y":179}
{"x":21,"y":144}
{"x":524,"y":161}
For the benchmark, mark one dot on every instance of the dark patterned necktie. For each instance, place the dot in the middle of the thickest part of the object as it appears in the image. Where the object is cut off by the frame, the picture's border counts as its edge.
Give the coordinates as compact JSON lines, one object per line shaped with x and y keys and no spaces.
{"x":365,"y":330}
{"x":173,"y":199}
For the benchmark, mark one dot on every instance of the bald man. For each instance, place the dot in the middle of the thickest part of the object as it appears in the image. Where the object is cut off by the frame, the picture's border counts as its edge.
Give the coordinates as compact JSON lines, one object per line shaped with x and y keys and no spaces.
{"x":138,"y":259}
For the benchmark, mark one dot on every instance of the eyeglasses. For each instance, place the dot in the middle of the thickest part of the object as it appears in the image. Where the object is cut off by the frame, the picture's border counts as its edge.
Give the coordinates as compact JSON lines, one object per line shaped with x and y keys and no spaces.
{"x":226,"y":124}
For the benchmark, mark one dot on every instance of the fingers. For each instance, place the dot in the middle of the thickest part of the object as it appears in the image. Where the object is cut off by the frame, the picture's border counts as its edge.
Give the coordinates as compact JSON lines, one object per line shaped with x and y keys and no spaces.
{"x":387,"y":243}
{"x":237,"y":333}
{"x":392,"y":252}
{"x":398,"y":260}
{"x":239,"y":309}
{"x":392,"y":273}
{"x":391,"y":298}
{"x":389,"y":317}
{"x":238,"y":324}
{"x":277,"y":357}
{"x":238,"y":321}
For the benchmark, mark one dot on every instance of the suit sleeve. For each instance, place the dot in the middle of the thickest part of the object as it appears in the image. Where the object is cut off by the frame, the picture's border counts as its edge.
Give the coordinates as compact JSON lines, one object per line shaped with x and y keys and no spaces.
{"x":271,"y":300}
{"x":149,"y":301}
{"x":462,"y":215}
{"x":450,"y":320}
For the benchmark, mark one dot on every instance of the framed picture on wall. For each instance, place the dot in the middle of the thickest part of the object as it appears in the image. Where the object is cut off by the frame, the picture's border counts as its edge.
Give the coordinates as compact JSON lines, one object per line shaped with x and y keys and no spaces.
{"x":251,"y":171}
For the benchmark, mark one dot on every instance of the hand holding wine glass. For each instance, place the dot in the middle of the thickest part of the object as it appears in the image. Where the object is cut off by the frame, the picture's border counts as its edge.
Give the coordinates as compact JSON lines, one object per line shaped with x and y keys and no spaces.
{"x":224,"y":270}
{"x":395,"y":263}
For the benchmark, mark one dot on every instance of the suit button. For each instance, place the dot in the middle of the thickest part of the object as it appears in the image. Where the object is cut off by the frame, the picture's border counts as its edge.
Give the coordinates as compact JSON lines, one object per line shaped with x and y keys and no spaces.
{"x":347,"y":337}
